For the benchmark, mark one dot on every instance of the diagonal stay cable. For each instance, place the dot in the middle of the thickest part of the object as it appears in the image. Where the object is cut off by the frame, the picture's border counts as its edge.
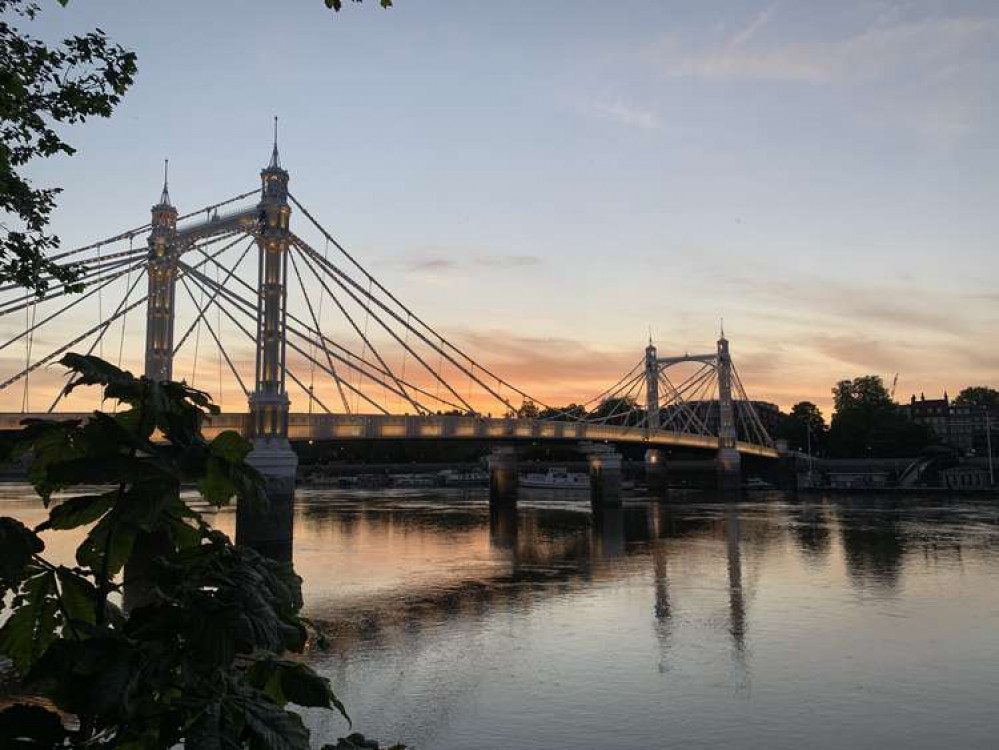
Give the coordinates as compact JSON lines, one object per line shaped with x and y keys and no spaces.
{"x":342,"y":280}
{"x":100,"y":336}
{"x":218,"y":341}
{"x":401,"y":389}
{"x":315,"y":320}
{"x":63,"y":309}
{"x":96,"y":275}
{"x":419,"y":320}
{"x":349,"y":358}
{"x":202,"y":308}
{"x":253,"y":338}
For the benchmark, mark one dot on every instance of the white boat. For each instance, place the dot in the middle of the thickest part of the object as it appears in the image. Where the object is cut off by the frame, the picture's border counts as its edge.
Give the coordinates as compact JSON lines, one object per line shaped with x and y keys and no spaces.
{"x":452,"y":478}
{"x":556,"y":478}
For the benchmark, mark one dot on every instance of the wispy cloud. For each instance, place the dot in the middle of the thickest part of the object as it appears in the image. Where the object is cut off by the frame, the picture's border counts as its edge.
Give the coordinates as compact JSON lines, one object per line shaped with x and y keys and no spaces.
{"x":439,"y":264}
{"x":624,"y":114}
{"x":874,"y":52}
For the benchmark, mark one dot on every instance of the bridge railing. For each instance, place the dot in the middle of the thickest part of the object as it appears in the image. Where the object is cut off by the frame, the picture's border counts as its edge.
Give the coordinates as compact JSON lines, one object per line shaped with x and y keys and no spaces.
{"x":302,"y":427}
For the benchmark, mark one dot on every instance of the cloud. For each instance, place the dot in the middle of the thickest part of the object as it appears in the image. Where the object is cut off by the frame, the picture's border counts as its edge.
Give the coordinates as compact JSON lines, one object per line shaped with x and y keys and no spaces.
{"x":624,"y":114}
{"x":457,"y":262}
{"x":431,"y":265}
{"x":872,"y":53}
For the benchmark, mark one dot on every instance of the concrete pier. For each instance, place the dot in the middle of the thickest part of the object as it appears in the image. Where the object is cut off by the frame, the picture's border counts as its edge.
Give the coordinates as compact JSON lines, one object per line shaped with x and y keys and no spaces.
{"x":655,"y":470}
{"x":270,"y":530}
{"x":729,"y":468}
{"x":605,"y":475}
{"x":503,"y":476}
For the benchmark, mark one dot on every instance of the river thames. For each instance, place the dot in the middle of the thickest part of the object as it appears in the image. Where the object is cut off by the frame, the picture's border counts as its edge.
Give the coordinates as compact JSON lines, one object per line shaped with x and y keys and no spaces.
{"x":775,"y":623}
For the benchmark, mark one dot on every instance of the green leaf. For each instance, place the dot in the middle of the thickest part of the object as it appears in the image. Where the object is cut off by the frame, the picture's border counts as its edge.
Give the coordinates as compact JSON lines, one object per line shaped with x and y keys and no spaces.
{"x":79,"y":596}
{"x":287,"y":681}
{"x":216,"y":486}
{"x":30,"y":727}
{"x":18,"y":544}
{"x":272,"y":728}
{"x":231,"y":446}
{"x":32,"y":628}
{"x":78,"y":511}
{"x":107,"y":545}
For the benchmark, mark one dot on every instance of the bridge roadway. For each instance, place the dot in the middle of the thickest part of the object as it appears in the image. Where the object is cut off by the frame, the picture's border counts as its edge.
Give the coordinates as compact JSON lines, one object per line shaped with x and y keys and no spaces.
{"x":303,"y":427}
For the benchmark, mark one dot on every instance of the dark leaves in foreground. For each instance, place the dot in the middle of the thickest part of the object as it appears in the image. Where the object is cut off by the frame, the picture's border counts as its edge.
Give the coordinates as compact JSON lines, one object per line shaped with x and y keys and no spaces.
{"x":201,"y":659}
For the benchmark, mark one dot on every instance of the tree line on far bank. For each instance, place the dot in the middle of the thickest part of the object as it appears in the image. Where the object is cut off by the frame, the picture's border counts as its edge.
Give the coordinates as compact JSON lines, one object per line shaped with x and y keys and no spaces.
{"x":866,"y":421}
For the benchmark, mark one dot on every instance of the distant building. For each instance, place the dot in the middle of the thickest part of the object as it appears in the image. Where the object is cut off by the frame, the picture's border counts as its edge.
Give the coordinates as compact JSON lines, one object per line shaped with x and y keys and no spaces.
{"x":961,"y":426}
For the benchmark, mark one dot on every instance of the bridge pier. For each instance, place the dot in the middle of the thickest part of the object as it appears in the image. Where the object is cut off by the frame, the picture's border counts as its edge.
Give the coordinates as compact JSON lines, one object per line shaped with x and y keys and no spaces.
{"x":503,"y":477}
{"x":655,"y":470}
{"x":270,"y":529}
{"x":605,"y":475}
{"x":729,"y":469}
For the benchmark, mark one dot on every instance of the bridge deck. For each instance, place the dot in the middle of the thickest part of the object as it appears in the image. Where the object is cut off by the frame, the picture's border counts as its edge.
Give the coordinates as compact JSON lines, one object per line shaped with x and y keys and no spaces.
{"x":399,"y":427}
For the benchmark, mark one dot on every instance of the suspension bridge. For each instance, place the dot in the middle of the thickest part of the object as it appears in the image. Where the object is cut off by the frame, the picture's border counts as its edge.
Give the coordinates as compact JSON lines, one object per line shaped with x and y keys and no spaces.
{"x":311,"y":326}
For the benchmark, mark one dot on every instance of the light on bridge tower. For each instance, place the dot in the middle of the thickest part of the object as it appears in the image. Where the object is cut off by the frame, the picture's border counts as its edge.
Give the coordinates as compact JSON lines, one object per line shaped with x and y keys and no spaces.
{"x":271,"y":531}
{"x":162,"y":287}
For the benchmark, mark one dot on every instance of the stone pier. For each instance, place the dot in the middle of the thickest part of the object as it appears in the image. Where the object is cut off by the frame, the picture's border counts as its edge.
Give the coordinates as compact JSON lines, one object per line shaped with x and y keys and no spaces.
{"x":605,"y":475}
{"x":270,"y":529}
{"x":503,"y":475}
{"x":729,"y":467}
{"x":655,"y":470}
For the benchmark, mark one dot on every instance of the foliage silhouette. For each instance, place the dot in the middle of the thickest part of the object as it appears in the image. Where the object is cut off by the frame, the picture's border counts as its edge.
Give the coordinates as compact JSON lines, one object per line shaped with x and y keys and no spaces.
{"x":202,"y":659}
{"x":43,"y":89}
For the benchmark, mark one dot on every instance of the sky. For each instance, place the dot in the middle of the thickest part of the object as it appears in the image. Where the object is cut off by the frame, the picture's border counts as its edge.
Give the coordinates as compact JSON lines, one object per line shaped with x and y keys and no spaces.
{"x":549,"y":182}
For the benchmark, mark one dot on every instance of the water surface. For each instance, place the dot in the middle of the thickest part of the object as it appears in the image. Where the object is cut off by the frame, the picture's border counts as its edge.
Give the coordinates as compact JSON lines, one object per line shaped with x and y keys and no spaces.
{"x":832,"y":623}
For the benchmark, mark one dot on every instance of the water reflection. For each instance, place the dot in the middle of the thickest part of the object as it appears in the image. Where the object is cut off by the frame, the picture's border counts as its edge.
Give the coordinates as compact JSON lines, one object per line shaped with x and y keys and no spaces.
{"x":553,"y":625}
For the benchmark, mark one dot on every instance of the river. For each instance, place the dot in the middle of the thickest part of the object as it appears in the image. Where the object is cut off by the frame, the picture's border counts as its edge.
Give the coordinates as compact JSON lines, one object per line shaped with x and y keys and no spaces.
{"x":775,"y":623}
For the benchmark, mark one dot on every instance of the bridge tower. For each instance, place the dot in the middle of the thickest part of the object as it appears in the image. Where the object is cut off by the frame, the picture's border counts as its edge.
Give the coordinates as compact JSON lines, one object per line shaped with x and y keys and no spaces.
{"x":651,"y":388}
{"x":729,"y":462}
{"x":162,"y":287}
{"x":271,"y":531}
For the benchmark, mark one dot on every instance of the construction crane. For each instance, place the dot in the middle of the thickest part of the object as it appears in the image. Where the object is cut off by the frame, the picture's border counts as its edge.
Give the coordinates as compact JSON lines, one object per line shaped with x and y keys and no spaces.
{"x":894,"y":382}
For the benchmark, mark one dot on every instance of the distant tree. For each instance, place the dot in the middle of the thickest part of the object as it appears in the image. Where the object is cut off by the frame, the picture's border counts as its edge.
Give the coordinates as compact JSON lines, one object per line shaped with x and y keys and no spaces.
{"x":618,"y":411}
{"x":868,"y":423}
{"x":528,"y":410}
{"x":978,"y":395}
{"x":42,"y":90}
{"x":570,"y":413}
{"x":804,"y":425}
{"x":866,"y":393}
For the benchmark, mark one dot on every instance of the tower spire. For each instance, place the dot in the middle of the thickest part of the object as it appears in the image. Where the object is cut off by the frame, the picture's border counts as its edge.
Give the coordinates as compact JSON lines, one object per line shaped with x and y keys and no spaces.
{"x":721,"y":327}
{"x":165,"y":195}
{"x":275,"y":159}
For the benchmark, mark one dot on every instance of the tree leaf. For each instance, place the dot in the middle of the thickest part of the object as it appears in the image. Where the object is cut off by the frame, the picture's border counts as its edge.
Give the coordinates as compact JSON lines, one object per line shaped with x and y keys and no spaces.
{"x":79,"y":596}
{"x":231,"y":446}
{"x":18,"y":544}
{"x":272,"y":728}
{"x":107,"y":545}
{"x":78,"y":511}
{"x":32,"y":628}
